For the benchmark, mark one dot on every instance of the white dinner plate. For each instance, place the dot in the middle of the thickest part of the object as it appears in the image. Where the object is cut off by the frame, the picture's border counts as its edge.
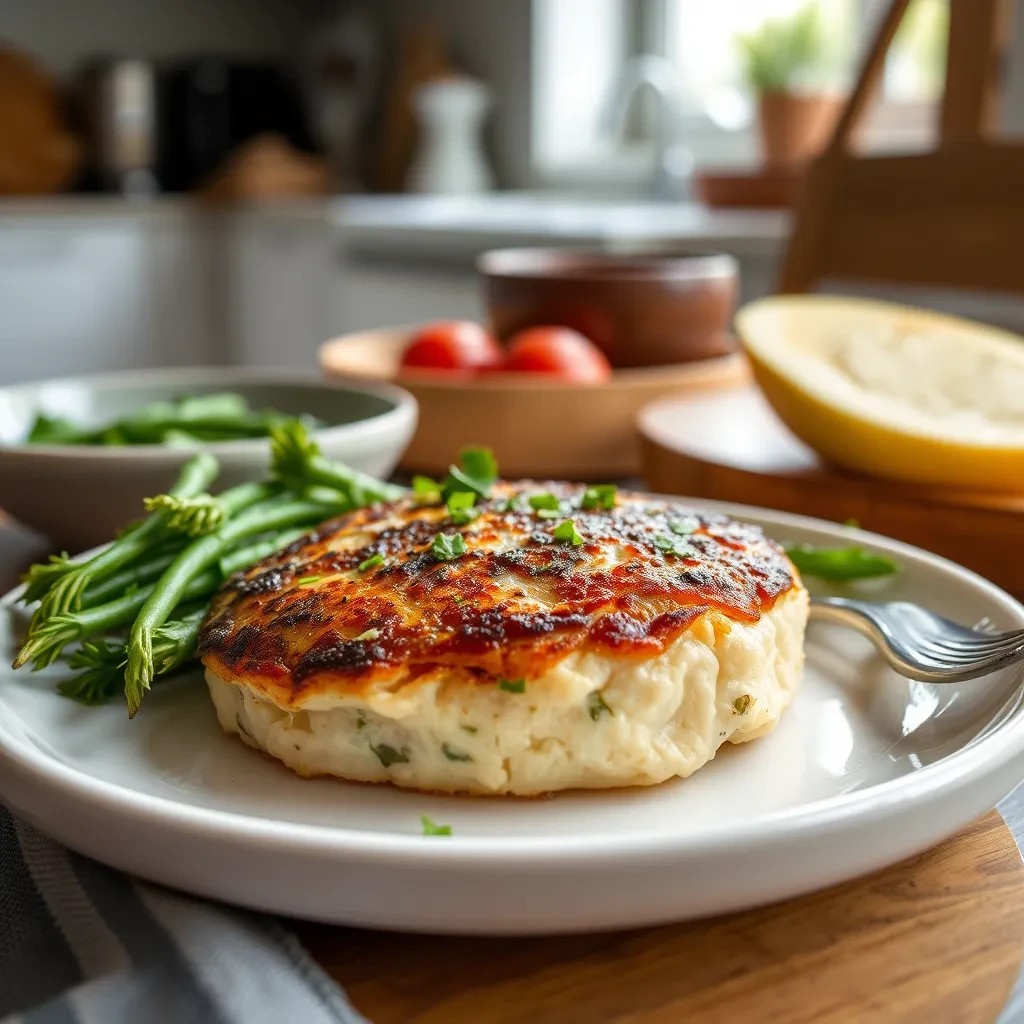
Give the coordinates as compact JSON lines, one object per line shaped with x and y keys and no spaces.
{"x":865,"y":769}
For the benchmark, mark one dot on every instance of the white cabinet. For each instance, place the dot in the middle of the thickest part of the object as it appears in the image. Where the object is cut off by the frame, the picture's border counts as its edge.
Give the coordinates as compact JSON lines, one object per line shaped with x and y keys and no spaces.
{"x":111,"y":286}
{"x":277,"y":285}
{"x":88,"y":293}
{"x":375,"y":291}
{"x":69,"y":298}
{"x":181,"y":324}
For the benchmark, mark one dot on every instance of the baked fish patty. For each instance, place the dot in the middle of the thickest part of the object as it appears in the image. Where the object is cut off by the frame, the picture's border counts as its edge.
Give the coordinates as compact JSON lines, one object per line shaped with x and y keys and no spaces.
{"x":538,"y":646}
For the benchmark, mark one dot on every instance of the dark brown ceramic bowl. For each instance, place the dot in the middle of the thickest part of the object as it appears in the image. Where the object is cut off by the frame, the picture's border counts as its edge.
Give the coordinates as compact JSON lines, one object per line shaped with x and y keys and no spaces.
{"x":639,"y":309}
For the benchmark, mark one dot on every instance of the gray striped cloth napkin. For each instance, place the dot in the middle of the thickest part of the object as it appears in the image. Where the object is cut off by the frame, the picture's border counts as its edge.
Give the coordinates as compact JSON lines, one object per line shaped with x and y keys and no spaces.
{"x":82,"y":944}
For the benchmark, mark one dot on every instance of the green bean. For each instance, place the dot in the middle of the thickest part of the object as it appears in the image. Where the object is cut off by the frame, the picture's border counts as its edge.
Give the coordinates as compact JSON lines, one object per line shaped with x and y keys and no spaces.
{"x":205,"y":513}
{"x":233,"y":561}
{"x":141,"y":573}
{"x":296,"y":459}
{"x":152,"y":568}
{"x":46,"y":644}
{"x":170,"y":589}
{"x":102,"y":662}
{"x":66,"y":592}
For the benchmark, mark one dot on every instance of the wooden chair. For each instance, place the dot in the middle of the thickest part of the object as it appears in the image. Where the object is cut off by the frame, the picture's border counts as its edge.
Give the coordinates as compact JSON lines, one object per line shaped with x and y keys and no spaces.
{"x":949,"y":218}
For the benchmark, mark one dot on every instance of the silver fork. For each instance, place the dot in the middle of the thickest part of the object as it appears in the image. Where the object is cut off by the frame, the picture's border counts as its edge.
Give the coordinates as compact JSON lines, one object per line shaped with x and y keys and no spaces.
{"x":921,"y":645}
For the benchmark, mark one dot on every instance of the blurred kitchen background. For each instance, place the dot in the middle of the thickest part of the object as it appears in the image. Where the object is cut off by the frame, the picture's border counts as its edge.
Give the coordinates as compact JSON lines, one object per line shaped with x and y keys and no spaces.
{"x":188,"y":182}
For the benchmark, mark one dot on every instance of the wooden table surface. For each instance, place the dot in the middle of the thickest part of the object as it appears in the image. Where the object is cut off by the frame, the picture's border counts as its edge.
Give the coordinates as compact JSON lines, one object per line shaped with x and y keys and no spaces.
{"x":936,"y":938}
{"x":939,"y":938}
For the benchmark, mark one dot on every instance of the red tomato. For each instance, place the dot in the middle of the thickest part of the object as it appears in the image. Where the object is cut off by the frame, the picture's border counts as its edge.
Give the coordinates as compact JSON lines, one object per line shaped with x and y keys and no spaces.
{"x":452,"y":345}
{"x":558,"y":351}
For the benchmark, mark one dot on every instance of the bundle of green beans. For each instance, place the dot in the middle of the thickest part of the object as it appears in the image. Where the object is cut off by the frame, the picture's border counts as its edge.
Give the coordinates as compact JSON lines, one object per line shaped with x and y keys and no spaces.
{"x":135,"y":608}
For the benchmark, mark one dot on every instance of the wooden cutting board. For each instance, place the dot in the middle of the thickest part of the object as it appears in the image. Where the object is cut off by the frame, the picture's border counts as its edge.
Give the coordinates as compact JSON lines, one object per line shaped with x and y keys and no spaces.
{"x":936,"y":938}
{"x":730,"y":445}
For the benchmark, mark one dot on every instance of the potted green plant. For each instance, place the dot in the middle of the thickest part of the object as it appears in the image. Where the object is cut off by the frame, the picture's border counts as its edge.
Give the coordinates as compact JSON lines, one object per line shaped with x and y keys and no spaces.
{"x":785,"y":64}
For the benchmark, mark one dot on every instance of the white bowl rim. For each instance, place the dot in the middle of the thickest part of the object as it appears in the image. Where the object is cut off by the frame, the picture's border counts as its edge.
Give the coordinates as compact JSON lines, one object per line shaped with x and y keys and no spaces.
{"x":403,"y":407}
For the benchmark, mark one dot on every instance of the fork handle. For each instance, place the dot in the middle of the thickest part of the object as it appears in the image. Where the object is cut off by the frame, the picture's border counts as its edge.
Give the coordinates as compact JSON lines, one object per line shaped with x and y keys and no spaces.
{"x":840,"y":610}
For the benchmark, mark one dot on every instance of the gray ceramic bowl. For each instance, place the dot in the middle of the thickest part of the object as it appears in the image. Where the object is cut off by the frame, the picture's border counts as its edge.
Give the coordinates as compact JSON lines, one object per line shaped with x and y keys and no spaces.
{"x":79,"y":496}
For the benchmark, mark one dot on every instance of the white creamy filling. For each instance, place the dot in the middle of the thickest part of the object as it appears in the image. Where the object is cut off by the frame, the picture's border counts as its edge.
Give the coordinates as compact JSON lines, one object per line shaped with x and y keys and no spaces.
{"x":591,"y":721}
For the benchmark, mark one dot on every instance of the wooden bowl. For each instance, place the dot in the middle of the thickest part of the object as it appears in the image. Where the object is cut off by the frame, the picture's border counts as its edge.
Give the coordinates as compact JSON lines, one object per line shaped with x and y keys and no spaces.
{"x":537,"y":426}
{"x":641,"y":309}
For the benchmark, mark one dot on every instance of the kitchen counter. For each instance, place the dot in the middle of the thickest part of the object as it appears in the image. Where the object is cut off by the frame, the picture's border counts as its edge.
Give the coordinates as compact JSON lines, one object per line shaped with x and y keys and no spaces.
{"x":458,"y":227}
{"x":102,"y":206}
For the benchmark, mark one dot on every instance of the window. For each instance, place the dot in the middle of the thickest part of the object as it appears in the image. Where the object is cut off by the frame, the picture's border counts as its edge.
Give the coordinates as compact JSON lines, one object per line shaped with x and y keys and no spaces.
{"x":916,"y":63}
{"x":581,"y":46}
{"x":578,"y":48}
{"x":701,"y":39}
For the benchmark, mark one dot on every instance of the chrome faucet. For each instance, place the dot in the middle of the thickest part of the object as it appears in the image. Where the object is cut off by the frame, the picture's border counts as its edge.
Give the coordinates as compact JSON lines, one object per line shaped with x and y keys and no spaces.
{"x":673,"y":159}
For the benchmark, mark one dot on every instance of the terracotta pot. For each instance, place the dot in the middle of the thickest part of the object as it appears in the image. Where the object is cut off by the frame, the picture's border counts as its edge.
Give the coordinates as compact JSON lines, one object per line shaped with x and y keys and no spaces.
{"x":763,"y":188}
{"x":794,"y":128}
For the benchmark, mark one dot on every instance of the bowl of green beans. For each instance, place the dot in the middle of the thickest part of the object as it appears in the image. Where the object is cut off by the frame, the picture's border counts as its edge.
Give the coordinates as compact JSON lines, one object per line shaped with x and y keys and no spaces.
{"x":79,"y":455}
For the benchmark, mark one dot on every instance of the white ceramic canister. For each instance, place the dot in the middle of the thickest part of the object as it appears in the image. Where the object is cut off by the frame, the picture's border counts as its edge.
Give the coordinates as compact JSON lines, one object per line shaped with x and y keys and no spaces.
{"x":450,"y":156}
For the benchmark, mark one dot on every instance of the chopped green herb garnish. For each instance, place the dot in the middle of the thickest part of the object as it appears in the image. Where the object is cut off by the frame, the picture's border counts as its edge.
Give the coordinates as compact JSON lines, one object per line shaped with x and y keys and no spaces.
{"x":547,"y":500}
{"x":460,"y":481}
{"x":430,"y":828}
{"x":305,"y":581}
{"x":549,"y":513}
{"x":479,"y":462}
{"x":447,"y":546}
{"x":454,"y":755}
{"x":369,"y":634}
{"x":511,"y":685}
{"x":425,"y":489}
{"x":672,"y":546}
{"x":741,"y":705}
{"x":459,"y":599}
{"x":512,"y":504}
{"x":839,"y":564}
{"x":596,"y":705}
{"x":566,"y":531}
{"x":389,"y":756}
{"x":684,"y":526}
{"x":460,"y":507}
{"x":599,"y":496}
{"x":477,"y":471}
{"x":372,"y":562}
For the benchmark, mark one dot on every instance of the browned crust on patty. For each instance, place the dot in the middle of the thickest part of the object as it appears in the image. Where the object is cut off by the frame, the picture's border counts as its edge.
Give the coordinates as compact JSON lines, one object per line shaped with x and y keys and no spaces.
{"x":515,"y":603}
